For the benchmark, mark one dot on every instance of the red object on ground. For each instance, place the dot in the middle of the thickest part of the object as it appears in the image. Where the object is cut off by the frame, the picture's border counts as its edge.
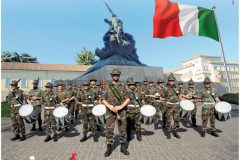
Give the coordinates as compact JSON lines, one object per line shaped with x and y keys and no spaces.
{"x":74,"y":156}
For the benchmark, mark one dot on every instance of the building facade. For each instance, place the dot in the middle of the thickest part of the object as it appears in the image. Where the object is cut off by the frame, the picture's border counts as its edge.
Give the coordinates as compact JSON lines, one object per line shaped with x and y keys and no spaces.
{"x":27,"y":72}
{"x":200,"y":66}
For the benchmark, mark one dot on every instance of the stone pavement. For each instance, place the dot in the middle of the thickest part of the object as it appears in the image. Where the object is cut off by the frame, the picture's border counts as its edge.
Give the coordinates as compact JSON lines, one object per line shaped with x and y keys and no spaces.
{"x":154,"y":146}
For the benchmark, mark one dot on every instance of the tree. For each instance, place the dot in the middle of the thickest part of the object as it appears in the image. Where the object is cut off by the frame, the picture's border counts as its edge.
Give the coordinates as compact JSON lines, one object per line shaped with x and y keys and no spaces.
{"x":85,"y":57}
{"x":15,"y":57}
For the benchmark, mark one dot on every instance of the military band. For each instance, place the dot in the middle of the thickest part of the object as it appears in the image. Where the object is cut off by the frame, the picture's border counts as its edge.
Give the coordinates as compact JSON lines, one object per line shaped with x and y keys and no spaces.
{"x":122,"y":104}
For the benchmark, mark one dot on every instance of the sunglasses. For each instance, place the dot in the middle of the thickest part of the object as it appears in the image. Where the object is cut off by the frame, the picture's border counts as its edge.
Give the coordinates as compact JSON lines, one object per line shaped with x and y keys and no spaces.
{"x":115,"y":75}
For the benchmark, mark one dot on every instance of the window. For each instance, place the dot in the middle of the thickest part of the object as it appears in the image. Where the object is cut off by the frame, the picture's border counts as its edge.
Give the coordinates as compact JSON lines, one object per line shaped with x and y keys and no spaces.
{"x":40,"y":83}
{"x":24,"y":83}
{"x":53,"y":81}
{"x":7,"y":82}
{"x":215,"y":67}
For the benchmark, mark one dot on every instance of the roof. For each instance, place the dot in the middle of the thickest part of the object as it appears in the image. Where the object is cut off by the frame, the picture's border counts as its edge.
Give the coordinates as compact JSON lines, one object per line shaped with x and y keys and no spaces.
{"x":201,"y":55}
{"x":182,"y":67}
{"x":44,"y":67}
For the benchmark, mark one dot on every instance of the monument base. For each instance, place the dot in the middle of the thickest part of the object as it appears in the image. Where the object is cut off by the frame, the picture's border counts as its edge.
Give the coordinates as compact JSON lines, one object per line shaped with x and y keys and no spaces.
{"x":137,"y":72}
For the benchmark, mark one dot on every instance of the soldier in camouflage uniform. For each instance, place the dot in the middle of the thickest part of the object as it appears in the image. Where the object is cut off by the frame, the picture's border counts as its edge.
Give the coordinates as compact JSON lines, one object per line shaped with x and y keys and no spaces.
{"x":16,"y":98}
{"x":209,"y":97}
{"x":116,"y":100}
{"x":160,"y":100}
{"x":172,"y":108}
{"x":71,"y":102}
{"x":88,"y":98}
{"x":62,"y":99}
{"x":150,"y":100}
{"x":97,"y":90}
{"x":34,"y":96}
{"x":76,"y":108}
{"x":133,"y":110}
{"x":48,"y":100}
{"x":144,"y":85}
{"x":191,"y":94}
{"x":180,"y":91}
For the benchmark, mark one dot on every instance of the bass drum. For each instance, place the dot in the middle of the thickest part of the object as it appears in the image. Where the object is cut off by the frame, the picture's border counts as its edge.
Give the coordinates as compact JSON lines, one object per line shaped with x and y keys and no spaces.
{"x":60,"y":114}
{"x":99,"y":112}
{"x":147,"y":111}
{"x":223,"y":111}
{"x":28,"y":113}
{"x":187,"y":106}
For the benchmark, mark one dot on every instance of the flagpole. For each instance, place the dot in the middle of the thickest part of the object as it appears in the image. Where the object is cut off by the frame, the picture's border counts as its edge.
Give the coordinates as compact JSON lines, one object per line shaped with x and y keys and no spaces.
{"x":223,"y":55}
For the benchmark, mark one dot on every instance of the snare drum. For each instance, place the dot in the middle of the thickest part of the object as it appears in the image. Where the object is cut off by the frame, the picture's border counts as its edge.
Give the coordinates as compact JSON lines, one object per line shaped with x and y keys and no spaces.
{"x":28,"y":113}
{"x":147,"y":111}
{"x":223,"y":111}
{"x":60,"y":114}
{"x":187,"y":106}
{"x":99,"y":111}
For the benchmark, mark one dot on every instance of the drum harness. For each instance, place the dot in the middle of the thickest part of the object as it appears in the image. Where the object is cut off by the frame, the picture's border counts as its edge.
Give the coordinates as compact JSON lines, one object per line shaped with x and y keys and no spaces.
{"x":17,"y":98}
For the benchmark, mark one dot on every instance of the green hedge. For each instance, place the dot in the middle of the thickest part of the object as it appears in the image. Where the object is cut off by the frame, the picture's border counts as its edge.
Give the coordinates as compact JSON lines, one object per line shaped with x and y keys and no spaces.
{"x":5,"y":109}
{"x":230,"y":98}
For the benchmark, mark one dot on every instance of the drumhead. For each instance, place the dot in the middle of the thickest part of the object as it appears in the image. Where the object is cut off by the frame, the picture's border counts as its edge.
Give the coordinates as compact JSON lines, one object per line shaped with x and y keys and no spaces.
{"x":99,"y":110}
{"x":25,"y":110}
{"x":148,"y":110}
{"x":223,"y":107}
{"x":187,"y":105}
{"x":60,"y":112}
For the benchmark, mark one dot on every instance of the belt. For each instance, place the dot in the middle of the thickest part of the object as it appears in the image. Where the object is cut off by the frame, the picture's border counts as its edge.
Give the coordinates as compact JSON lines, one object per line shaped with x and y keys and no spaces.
{"x":87,"y":105}
{"x":16,"y":105}
{"x":133,"y":106}
{"x":172,"y":103}
{"x":49,"y":107}
{"x":208,"y":102}
{"x":158,"y":101}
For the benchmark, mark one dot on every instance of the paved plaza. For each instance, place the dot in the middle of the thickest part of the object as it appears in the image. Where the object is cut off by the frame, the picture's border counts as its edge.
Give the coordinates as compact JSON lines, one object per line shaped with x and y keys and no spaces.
{"x":155,"y":145}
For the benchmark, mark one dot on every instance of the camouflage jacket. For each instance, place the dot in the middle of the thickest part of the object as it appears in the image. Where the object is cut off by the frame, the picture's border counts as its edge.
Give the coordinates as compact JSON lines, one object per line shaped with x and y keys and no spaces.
{"x":150,"y":91}
{"x":179,"y":90}
{"x":38,"y":93}
{"x":171,"y":94}
{"x":208,"y":95}
{"x":110,"y":97}
{"x":49,"y":99}
{"x":192,"y":92}
{"x":161,"y":91}
{"x":97,"y":91}
{"x":87,"y":97}
{"x":71,"y":93}
{"x":16,"y":98}
{"x":61,"y":95}
{"x":135,"y":98}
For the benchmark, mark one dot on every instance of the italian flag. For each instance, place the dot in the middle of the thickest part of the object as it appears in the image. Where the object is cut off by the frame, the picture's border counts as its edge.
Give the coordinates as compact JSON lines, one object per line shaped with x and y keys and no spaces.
{"x":173,"y":19}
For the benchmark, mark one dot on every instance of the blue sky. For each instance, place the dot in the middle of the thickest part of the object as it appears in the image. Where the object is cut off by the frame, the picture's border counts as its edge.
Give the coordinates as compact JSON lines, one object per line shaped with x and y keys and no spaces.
{"x":54,"y":31}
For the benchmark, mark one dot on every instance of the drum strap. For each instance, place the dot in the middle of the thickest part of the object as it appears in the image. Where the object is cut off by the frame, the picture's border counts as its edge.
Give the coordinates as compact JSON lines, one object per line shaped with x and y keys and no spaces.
{"x":116,"y":93}
{"x":13,"y":93}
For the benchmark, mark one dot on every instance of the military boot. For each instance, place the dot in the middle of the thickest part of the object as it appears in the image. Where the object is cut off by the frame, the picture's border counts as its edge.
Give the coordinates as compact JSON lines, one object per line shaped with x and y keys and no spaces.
{"x":194,"y":122}
{"x":55,"y":138}
{"x":168,"y":134}
{"x":213,"y":133}
{"x":95,"y":138}
{"x":128,"y":135}
{"x":16,"y":137}
{"x":84,"y":138}
{"x":175,"y":134}
{"x":71,"y":121}
{"x":124,"y":149}
{"x":109,"y":150}
{"x":98,"y":128}
{"x":40,"y":127}
{"x":33,"y":127}
{"x":139,"y":136}
{"x":48,"y":138}
{"x":203,"y":133}
{"x":23,"y":138}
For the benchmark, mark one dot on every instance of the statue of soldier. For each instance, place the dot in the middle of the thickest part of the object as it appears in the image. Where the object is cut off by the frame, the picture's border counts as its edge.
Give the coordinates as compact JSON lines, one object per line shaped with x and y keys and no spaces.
{"x":34,"y":97}
{"x":87,"y":98}
{"x":49,"y":98}
{"x":63,"y":99}
{"x":172,"y":108}
{"x":160,"y":100}
{"x":209,"y":97}
{"x":133,"y":110}
{"x":191,"y":93}
{"x":116,"y":100}
{"x":16,"y":98}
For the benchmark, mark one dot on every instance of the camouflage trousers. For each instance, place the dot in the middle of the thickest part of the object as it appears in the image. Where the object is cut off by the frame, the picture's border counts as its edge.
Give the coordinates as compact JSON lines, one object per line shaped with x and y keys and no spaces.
{"x":110,"y":124}
{"x":172,"y":111}
{"x":39,"y":111}
{"x":159,"y":106}
{"x":18,"y":124}
{"x":76,"y":110}
{"x":192,"y":114}
{"x":134,"y":120}
{"x":208,"y":113}
{"x":50,"y":121}
{"x":71,"y":110}
{"x":89,"y":122}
